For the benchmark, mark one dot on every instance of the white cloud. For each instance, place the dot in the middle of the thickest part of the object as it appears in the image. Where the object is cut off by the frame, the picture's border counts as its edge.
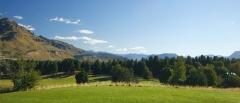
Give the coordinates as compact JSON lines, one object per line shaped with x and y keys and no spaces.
{"x":18,"y":17}
{"x":138,"y":48}
{"x":85,"y":31}
{"x":93,"y":41}
{"x":110,"y":46}
{"x":67,"y":38}
{"x":143,"y":51}
{"x":85,"y":39}
{"x":67,"y":21}
{"x":122,"y":49}
{"x":28,"y":27}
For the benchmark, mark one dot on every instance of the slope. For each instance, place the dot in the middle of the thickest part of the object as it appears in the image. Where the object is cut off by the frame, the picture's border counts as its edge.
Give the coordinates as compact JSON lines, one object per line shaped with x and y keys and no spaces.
{"x":16,"y":40}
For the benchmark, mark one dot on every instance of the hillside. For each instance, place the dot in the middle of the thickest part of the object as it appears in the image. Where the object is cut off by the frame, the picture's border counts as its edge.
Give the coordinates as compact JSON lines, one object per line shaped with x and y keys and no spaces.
{"x":16,"y":40}
{"x":62,"y":45}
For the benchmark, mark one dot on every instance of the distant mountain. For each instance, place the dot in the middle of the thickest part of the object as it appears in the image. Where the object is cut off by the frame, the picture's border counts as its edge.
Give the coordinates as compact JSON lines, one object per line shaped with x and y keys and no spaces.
{"x":236,"y":54}
{"x":101,"y":56}
{"x":140,"y":56}
{"x":170,"y":55}
{"x":134,"y":56}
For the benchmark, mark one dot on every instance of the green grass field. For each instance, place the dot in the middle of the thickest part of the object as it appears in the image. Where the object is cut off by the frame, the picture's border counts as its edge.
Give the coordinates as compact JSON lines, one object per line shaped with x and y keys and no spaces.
{"x":100,"y":89}
{"x":116,"y":94}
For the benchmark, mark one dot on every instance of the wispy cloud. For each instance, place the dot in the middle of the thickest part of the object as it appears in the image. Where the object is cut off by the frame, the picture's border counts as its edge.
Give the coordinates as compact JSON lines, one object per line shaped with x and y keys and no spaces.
{"x":18,"y":17}
{"x":67,"y":21}
{"x":138,"y":48}
{"x":110,"y":46}
{"x":28,"y":27}
{"x":143,"y":51}
{"x":93,"y":41}
{"x":85,"y":31}
{"x":85,"y":39}
{"x":122,"y":49}
{"x":1,"y":14}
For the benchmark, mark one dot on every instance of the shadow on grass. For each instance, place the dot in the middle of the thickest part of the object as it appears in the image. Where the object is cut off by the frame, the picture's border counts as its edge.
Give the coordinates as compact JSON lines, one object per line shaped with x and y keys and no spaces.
{"x":6,"y":90}
{"x":97,"y":78}
{"x":62,"y":75}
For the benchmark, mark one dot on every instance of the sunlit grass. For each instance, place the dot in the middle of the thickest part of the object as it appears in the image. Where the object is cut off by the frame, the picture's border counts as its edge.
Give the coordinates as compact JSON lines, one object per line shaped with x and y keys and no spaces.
{"x":122,"y":93}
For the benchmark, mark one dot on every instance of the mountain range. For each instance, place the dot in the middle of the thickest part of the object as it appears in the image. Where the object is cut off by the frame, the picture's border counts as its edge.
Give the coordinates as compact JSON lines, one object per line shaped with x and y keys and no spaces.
{"x":16,"y":40}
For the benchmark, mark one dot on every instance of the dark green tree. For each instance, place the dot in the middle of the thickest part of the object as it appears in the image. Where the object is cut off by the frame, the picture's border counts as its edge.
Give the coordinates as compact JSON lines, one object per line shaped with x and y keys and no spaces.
{"x":235,"y":68}
{"x":81,"y":77}
{"x":96,"y":69}
{"x":147,"y":74}
{"x":232,"y":81}
{"x":166,"y":75}
{"x":86,"y":66}
{"x":55,"y":68}
{"x":154,"y":64}
{"x":72,"y":66}
{"x":77,"y":65}
{"x":104,"y":68}
{"x":211,"y":75}
{"x":4,"y":67}
{"x":220,"y":69}
{"x":121,"y":74}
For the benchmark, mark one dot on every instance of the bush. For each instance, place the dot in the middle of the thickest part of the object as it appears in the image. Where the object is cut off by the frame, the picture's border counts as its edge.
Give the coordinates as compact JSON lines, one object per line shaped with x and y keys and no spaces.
{"x":81,"y":77}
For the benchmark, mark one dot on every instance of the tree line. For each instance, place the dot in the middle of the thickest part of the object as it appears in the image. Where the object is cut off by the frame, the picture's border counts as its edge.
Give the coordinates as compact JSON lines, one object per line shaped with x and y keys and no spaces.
{"x":194,"y":71}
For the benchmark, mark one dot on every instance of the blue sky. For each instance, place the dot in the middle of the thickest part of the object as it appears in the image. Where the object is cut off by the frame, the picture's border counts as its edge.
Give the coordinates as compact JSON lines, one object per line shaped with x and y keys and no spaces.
{"x":184,"y":27}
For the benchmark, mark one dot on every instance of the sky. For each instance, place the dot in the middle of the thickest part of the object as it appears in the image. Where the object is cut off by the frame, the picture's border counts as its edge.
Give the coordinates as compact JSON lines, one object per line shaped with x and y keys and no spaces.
{"x":184,"y":27}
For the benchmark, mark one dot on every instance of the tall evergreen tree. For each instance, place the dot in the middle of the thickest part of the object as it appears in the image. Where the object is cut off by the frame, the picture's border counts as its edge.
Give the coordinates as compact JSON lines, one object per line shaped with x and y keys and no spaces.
{"x":96,"y":69}
{"x":72,"y":66}
{"x":55,"y":68}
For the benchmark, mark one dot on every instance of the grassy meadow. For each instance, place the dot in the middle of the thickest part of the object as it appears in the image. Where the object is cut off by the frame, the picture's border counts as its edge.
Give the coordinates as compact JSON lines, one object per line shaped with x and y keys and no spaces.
{"x":100,"y":90}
